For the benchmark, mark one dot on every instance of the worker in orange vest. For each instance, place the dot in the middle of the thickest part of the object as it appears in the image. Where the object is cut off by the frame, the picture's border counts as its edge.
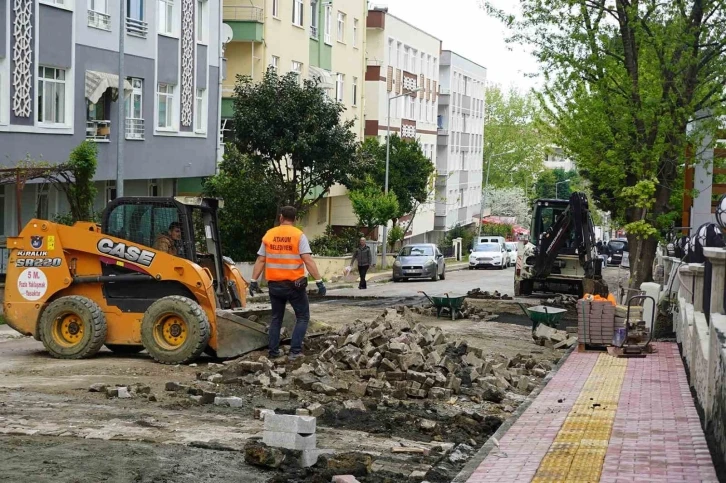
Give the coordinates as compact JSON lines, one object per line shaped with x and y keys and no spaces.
{"x":284,"y":254}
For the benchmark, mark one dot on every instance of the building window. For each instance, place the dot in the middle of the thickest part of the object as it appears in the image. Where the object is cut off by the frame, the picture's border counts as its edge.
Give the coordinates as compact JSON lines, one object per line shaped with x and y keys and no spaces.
{"x":355,"y":91}
{"x":341,"y":27}
{"x":275,"y":8}
{"x":51,"y":95}
{"x":275,"y":62}
{"x":200,"y":110}
{"x":297,"y":12}
{"x":54,"y":2}
{"x":134,"y":110}
{"x":135,"y":24}
{"x":314,"y":19}
{"x":297,"y":68}
{"x":328,"y":24}
{"x":98,"y":16}
{"x":165,"y":106}
{"x":166,"y":17}
{"x":98,"y":125}
{"x":110,"y":191}
{"x":202,"y":21}
{"x":405,"y":58}
{"x":355,"y":33}
{"x":339,"y":88}
{"x":153,"y":187}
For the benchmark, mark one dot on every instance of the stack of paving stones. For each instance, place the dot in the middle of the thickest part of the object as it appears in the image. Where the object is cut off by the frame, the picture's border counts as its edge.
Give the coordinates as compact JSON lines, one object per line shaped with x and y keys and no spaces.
{"x":294,"y":433}
{"x":392,"y":356}
{"x":595,"y":322}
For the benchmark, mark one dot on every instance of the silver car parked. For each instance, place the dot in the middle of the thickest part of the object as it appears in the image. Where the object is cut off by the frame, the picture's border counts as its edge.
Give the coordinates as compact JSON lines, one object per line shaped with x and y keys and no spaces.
{"x":422,"y":260}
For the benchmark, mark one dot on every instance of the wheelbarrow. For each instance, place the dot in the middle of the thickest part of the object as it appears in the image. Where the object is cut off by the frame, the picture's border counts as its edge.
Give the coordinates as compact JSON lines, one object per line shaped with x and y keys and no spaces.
{"x":452,"y":304}
{"x":542,"y":314}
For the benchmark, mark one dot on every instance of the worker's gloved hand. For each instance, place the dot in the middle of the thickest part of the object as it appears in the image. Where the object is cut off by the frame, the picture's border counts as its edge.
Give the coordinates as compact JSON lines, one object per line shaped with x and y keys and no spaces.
{"x":254,"y":287}
{"x":321,"y":288}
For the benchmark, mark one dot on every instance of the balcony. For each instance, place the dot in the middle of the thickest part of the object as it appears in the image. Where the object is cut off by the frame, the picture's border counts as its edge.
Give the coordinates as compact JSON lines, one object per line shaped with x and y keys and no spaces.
{"x":99,"y":20}
{"x":246,"y":22}
{"x":314,"y":34}
{"x":97,"y":130}
{"x":134,"y":129}
{"x":136,"y":27}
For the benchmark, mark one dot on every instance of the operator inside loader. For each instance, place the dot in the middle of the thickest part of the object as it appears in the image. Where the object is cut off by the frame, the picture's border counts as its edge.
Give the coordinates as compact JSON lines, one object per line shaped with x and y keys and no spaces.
{"x":170,"y":242}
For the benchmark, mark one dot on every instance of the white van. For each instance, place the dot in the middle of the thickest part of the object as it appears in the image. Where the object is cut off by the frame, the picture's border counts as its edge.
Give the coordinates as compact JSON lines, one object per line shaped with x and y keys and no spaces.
{"x":489,"y":239}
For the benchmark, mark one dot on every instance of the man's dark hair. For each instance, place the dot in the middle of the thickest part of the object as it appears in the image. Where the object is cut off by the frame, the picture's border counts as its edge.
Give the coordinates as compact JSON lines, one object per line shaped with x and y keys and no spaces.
{"x":288,"y":213}
{"x":175,"y":224}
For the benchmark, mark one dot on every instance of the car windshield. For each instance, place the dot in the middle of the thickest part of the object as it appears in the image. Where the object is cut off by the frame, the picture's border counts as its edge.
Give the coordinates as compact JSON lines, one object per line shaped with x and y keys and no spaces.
{"x":415,"y":251}
{"x":513,"y":246}
{"x":617,"y":245}
{"x":487,"y":247}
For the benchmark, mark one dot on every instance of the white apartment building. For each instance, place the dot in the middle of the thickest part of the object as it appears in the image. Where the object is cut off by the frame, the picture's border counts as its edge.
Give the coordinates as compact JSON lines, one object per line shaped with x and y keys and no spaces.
{"x":460,"y":143}
{"x":556,"y":159}
{"x":402,"y":57}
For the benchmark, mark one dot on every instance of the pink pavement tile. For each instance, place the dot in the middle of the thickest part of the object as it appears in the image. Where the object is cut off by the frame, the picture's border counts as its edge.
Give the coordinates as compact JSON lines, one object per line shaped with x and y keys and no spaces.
{"x":531,"y":436}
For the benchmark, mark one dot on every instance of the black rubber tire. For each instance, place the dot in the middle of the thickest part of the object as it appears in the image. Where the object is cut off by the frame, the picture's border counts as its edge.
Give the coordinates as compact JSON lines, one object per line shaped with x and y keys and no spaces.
{"x":124,"y":349}
{"x":471,"y":268}
{"x":435,"y":277}
{"x":197,"y":323}
{"x":93,"y":322}
{"x":396,"y":280}
{"x":443,"y":273}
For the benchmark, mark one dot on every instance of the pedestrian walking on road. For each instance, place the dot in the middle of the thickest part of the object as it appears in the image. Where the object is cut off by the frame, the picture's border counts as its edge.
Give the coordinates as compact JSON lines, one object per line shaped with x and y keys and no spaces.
{"x":284,"y":254}
{"x":363,"y":255}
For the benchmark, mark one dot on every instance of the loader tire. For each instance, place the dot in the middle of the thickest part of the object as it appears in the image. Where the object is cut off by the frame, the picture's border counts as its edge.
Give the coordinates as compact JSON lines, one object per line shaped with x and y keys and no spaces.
{"x":175,"y":330}
{"x":124,"y":349}
{"x":73,"y":327}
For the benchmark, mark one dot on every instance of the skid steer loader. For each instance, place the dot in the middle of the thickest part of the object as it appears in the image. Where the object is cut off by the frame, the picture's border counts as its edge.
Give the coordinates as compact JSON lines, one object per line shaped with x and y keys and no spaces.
{"x":76,"y":288}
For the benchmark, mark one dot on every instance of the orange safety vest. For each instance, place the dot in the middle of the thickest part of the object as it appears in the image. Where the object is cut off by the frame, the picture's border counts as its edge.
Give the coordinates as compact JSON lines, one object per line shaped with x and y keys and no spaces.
{"x":282,"y":259}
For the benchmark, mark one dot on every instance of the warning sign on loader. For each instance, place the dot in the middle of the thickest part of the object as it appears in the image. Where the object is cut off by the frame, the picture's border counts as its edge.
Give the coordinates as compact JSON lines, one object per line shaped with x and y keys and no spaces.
{"x":32,"y":284}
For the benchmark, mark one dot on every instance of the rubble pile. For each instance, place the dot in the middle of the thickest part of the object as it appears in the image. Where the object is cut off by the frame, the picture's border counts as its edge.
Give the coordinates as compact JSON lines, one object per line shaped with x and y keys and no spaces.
{"x":553,"y":338}
{"x":478,"y":293}
{"x":392,"y":356}
{"x":563,"y":301}
{"x":468,"y":311}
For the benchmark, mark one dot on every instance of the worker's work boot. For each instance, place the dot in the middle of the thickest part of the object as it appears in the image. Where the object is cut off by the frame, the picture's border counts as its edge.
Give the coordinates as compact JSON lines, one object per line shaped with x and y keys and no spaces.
{"x":292,"y":356}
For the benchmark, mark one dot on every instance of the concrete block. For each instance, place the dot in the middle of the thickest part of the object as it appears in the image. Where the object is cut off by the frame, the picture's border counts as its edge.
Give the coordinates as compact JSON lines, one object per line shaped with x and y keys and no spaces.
{"x":344,"y":479}
{"x":309,"y":457}
{"x":261,"y":413}
{"x":233,"y":402}
{"x":285,"y":423}
{"x":279,"y":439}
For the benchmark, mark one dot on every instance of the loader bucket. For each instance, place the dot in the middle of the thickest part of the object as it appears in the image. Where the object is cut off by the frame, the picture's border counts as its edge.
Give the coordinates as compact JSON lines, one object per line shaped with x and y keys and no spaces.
{"x":240,"y":331}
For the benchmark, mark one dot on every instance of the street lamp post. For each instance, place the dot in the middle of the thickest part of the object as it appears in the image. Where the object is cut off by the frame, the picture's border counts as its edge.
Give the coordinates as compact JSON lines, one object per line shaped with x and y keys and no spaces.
{"x":486,"y":186}
{"x":388,"y":158}
{"x":557,"y":184}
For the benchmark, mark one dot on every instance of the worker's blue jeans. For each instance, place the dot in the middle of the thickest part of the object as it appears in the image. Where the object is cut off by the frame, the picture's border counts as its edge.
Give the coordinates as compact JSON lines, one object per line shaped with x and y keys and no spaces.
{"x":280,"y":294}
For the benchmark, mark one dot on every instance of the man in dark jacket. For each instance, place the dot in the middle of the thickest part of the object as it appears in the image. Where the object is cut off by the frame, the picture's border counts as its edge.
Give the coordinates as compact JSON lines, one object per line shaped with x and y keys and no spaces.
{"x":364,"y":257}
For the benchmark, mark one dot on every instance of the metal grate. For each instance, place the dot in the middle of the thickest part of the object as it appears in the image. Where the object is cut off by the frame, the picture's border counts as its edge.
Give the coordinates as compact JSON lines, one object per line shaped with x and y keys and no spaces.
{"x":99,"y":20}
{"x":134,"y":128}
{"x":136,"y":27}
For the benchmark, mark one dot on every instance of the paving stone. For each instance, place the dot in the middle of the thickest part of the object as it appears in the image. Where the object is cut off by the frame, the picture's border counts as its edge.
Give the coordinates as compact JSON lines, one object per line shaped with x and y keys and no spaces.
{"x":305,"y":381}
{"x":98,"y":387}
{"x":344,"y":479}
{"x":316,"y":410}
{"x":354,"y":404}
{"x":278,"y":395}
{"x":233,"y":402}
{"x":358,"y":388}
{"x":278,"y":439}
{"x":302,"y":412}
{"x":208,"y":397}
{"x":111,"y":392}
{"x":123,"y":393}
{"x":175,"y":386}
{"x":285,"y":423}
{"x":261,"y":413}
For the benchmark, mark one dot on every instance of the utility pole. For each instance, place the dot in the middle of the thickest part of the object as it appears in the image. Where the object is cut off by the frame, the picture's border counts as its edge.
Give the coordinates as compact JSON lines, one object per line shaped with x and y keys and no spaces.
{"x":121,"y":128}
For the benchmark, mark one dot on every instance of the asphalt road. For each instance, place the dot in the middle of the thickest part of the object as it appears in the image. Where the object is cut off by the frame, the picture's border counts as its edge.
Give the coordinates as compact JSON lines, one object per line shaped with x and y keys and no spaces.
{"x":456,"y":283}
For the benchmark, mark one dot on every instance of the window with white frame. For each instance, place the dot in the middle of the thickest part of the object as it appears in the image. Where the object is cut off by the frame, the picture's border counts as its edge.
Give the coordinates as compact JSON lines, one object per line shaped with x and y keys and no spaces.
{"x":339,"y":87}
{"x":297,"y":68}
{"x":110,"y":190}
{"x":153,"y":188}
{"x":55,"y":2}
{"x":166,"y":17}
{"x":328,"y":24}
{"x":165,"y":106}
{"x":134,"y":110}
{"x":391,"y":53}
{"x":275,"y":62}
{"x":98,"y":16}
{"x":355,"y":91}
{"x":355,"y":33}
{"x":341,"y":27}
{"x":135,"y":9}
{"x":200,"y":118}
{"x":297,"y":12}
{"x":405,"y":58}
{"x":51,"y":95}
{"x":314,"y":19}
{"x":202,"y":21}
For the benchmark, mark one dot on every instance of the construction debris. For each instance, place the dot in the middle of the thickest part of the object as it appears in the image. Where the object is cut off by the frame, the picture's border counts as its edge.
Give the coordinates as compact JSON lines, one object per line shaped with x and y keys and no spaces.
{"x":557,"y":339}
{"x":478,"y":293}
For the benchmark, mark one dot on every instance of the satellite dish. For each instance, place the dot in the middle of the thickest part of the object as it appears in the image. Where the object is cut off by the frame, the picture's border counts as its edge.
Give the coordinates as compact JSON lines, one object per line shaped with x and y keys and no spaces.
{"x":227,"y":33}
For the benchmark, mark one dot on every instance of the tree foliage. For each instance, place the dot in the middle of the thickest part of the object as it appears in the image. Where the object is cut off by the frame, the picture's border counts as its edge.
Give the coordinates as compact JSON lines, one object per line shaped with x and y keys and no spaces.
{"x":546,"y":186}
{"x":372,"y":207}
{"x":511,"y":123}
{"x":510,"y":202}
{"x":336,"y":243}
{"x":250,"y":204}
{"x":624,"y":80}
{"x":295,"y":135}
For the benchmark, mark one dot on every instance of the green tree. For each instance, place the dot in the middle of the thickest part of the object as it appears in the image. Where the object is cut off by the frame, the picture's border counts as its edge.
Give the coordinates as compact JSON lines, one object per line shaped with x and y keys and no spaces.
{"x":511,"y":123}
{"x":546,"y":187}
{"x":295,"y":135}
{"x":75,"y":180}
{"x":250,"y":205}
{"x":372,"y":207}
{"x":410,"y":172}
{"x":624,"y":80}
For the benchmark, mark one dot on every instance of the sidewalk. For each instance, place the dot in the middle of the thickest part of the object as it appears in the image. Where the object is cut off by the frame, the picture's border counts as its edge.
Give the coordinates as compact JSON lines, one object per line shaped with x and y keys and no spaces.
{"x":606,"y":419}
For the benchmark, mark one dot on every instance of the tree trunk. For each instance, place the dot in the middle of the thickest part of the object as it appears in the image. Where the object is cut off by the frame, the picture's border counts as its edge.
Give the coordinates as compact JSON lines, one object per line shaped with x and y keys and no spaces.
{"x":641,"y":261}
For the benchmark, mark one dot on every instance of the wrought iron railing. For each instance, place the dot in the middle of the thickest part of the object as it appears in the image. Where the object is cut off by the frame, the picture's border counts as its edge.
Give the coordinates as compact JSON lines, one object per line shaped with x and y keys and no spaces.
{"x":134,"y":128}
{"x":98,"y":130}
{"x":313,"y":32}
{"x":136,"y":27}
{"x":99,"y":20}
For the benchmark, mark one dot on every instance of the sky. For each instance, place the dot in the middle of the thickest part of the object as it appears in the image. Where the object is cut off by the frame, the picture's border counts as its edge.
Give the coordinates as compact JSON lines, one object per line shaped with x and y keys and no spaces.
{"x":466,"y":29}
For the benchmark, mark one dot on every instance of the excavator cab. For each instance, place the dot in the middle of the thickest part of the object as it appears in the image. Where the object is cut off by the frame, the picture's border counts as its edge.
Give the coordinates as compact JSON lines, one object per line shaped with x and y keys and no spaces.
{"x":149,"y":221}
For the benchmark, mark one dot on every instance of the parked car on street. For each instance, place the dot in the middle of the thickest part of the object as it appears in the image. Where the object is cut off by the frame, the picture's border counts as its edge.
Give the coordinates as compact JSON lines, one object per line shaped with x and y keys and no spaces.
{"x":423,"y":260}
{"x":615,"y":249}
{"x":512,"y":253}
{"x":486,"y":255}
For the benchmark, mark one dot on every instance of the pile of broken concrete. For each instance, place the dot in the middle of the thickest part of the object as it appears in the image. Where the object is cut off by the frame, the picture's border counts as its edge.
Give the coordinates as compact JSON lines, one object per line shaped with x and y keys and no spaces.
{"x":392,"y":356}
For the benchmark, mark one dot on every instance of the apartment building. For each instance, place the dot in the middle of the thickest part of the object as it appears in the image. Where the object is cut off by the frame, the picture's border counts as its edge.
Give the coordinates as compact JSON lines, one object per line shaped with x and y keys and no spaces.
{"x":322,"y":40}
{"x":401,"y":58}
{"x":59,"y":72}
{"x":459,"y":148}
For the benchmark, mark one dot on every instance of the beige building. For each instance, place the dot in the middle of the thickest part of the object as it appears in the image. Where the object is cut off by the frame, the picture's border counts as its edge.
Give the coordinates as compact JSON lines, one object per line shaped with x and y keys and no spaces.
{"x":403,"y":57}
{"x":319,"y":39}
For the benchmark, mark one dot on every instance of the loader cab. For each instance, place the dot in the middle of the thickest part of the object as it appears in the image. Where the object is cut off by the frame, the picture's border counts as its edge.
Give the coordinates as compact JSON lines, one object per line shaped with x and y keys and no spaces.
{"x":546,"y":213}
{"x":146,"y":221}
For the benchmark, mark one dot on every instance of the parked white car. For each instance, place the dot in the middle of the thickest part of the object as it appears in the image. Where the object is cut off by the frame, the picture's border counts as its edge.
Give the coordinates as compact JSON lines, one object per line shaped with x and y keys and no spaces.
{"x":511,"y":253}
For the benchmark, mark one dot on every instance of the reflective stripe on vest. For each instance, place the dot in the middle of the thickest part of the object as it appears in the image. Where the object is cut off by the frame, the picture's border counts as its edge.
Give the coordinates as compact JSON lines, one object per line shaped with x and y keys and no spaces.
{"x":282,"y":254}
